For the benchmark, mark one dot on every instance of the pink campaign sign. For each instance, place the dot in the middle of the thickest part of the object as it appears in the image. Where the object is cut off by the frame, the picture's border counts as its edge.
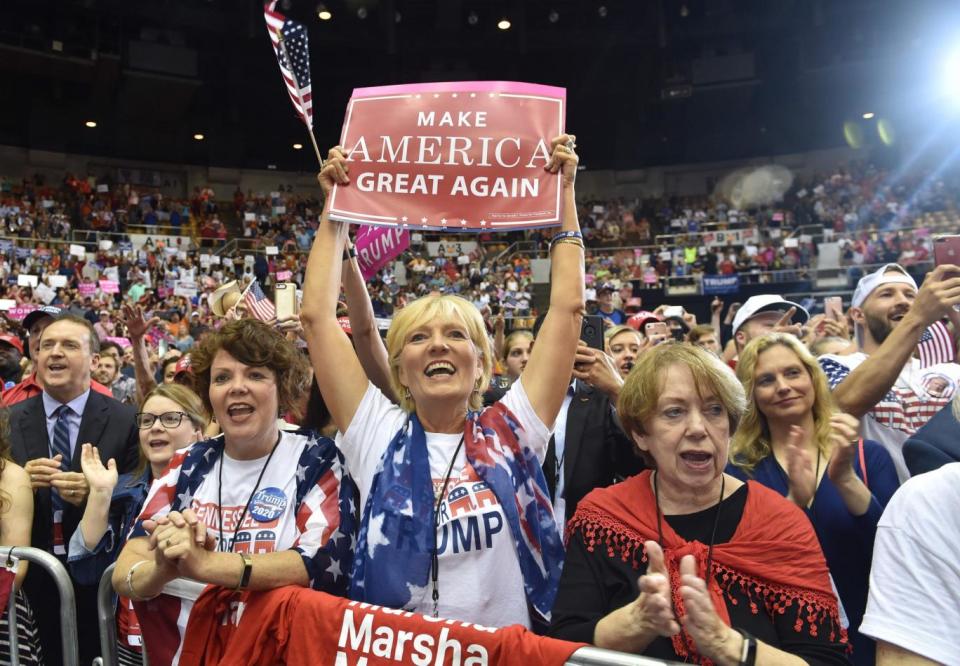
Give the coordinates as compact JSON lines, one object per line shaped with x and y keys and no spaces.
{"x":378,"y":246}
{"x":459,"y":156}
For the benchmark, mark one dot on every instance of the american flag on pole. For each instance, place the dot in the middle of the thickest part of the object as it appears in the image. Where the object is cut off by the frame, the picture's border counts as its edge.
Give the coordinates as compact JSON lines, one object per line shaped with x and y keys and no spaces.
{"x":936,"y":346}
{"x":257,"y":302}
{"x":289,"y":39}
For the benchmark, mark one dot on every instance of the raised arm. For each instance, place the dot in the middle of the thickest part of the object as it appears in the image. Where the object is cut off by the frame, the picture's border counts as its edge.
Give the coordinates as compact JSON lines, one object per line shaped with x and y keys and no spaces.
{"x":549,"y":369}
{"x":137,"y":329}
{"x":369,"y":346}
{"x":336,"y":367}
{"x":866,"y":385}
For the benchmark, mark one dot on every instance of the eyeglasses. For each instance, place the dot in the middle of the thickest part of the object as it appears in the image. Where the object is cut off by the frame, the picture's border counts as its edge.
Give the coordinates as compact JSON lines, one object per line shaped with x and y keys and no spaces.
{"x":167,"y":419}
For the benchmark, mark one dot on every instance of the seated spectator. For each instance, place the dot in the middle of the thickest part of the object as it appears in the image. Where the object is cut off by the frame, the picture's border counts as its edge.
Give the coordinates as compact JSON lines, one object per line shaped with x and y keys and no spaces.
{"x":767,"y":596}
{"x":883,"y":384}
{"x":246,"y":373}
{"x":913,"y":581}
{"x":790,"y":433}
{"x":170,"y":419}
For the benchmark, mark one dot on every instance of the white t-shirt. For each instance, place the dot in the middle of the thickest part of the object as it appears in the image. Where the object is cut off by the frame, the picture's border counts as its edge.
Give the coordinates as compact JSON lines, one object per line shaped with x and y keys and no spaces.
{"x":479,"y":576}
{"x":914,"y":600}
{"x":917,"y":395}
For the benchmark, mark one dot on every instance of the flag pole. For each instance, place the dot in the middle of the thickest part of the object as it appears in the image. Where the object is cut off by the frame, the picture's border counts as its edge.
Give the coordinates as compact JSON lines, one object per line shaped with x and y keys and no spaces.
{"x":296,"y":85}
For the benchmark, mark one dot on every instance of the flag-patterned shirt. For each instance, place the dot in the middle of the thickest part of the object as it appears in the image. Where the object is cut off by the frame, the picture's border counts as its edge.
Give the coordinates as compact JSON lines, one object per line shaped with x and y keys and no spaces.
{"x":917,"y":395}
{"x":304,"y":502}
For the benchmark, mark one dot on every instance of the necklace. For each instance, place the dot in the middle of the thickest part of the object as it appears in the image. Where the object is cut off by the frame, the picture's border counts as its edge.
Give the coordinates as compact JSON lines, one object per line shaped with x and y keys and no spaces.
{"x":435,"y":558}
{"x":243,"y":514}
{"x":713,"y":538}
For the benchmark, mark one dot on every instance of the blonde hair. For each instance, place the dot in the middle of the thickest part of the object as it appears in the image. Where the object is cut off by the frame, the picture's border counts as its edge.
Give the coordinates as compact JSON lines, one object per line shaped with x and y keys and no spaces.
{"x":431,"y":308}
{"x":751,"y":443}
{"x":611,"y":333}
{"x":642,"y":388}
{"x":188,"y":400}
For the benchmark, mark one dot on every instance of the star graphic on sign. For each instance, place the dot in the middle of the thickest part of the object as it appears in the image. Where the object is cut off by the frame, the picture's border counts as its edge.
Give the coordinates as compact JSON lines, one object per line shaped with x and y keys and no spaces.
{"x":423,"y":219}
{"x":483,"y":223}
{"x":463,"y":222}
{"x":443,"y":220}
{"x":404,"y":218}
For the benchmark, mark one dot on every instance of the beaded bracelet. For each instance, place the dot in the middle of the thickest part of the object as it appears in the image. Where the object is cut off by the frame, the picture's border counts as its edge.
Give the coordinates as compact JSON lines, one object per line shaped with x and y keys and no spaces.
{"x":566,"y":234}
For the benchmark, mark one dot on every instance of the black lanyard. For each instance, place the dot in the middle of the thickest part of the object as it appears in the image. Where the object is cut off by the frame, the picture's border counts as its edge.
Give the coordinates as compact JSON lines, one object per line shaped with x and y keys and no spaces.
{"x":435,"y":560}
{"x":246,"y":506}
{"x":713,"y":538}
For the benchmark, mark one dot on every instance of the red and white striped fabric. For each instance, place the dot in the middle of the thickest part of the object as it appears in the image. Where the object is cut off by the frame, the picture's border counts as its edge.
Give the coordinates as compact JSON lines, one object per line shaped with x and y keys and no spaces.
{"x":289,"y":39}
{"x":936,"y":346}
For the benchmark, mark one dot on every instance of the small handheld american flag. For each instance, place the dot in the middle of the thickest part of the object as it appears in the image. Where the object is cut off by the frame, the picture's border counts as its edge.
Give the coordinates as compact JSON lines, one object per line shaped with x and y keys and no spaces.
{"x":936,"y":346}
{"x":289,"y":39}
{"x":257,"y":302}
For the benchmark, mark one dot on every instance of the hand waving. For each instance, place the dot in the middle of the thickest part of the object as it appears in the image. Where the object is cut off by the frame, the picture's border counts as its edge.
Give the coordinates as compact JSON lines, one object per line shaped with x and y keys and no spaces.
{"x":134,"y":320}
{"x":101,"y":480}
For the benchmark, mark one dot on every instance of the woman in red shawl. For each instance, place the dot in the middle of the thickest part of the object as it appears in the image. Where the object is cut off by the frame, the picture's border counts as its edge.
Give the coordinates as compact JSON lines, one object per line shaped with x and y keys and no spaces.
{"x":639,"y":552}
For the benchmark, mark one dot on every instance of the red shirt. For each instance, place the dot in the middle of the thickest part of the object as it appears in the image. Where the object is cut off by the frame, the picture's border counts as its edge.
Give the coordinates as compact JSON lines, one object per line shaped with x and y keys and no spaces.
{"x":29,"y":388}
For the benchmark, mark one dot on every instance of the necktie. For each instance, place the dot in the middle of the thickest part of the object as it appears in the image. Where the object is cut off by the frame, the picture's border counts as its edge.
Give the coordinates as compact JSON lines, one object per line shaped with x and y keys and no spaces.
{"x":61,"y":445}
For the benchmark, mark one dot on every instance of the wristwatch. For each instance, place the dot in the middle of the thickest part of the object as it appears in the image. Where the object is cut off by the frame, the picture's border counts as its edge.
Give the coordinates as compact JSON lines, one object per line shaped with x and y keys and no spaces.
{"x":748,"y":653}
{"x":245,"y":574}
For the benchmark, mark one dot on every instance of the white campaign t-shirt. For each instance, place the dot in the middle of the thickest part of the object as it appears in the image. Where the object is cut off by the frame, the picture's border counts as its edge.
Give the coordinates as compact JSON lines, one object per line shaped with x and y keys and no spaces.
{"x":479,"y":576}
{"x":916,"y":397}
{"x":914,"y":600}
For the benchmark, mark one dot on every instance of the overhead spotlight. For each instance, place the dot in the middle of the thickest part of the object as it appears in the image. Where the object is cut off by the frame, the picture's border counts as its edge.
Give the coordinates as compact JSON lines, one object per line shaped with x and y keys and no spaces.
{"x":362,"y":13}
{"x":198,"y":136}
{"x":323,"y":13}
{"x":868,"y":115}
{"x":472,"y":18}
{"x":91,"y":124}
{"x":950,"y":77}
{"x":602,"y":11}
{"x":553,"y":16}
{"x":503,"y":24}
{"x":272,"y":167}
{"x":297,"y":146}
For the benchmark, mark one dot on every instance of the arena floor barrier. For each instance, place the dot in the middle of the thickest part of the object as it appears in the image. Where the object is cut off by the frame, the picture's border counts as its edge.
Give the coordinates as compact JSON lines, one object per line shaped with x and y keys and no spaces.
{"x":68,"y":608}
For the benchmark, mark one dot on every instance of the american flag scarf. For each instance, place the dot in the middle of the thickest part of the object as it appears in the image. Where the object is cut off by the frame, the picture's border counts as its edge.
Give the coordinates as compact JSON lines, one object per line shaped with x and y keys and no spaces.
{"x":387,"y":572}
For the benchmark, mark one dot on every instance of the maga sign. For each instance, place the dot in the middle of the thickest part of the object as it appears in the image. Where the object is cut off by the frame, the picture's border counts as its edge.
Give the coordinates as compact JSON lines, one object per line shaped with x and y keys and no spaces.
{"x":466,"y":156}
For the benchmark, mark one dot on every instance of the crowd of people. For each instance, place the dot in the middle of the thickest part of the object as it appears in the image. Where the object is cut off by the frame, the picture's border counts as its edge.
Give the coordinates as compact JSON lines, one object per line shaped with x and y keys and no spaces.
{"x":760,"y":488}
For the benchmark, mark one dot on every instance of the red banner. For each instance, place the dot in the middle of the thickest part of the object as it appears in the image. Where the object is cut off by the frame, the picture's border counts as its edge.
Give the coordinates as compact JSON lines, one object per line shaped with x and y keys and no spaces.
{"x":302,"y":627}
{"x":466,"y":156}
{"x":378,"y":246}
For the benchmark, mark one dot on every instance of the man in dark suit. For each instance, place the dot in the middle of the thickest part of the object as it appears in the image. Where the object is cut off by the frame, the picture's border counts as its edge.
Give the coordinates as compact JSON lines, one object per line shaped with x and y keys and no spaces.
{"x":46,"y":434}
{"x":589,"y":448}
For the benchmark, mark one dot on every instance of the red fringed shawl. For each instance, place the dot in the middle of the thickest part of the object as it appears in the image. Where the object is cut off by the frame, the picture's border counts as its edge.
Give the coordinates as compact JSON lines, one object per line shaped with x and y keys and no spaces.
{"x":774,"y":557}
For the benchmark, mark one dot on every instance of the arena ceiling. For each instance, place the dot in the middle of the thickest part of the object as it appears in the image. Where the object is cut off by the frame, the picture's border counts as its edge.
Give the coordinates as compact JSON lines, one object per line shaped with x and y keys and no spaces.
{"x":649,"y":81}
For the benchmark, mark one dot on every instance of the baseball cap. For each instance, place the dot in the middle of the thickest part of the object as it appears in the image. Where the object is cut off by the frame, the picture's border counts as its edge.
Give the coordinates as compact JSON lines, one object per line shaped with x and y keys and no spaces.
{"x":13,"y":341}
{"x":607,"y":286}
{"x":642,"y":318}
{"x":884,"y":275}
{"x":183,"y":365}
{"x":767,"y":303}
{"x":44,"y":311}
{"x":345,"y":325}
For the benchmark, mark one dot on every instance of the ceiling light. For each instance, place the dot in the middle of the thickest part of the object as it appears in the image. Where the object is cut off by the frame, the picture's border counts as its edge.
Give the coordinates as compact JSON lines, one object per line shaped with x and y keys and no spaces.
{"x":272,"y":167}
{"x":472,"y":18}
{"x":323,"y":13}
{"x":362,"y":13}
{"x":503,"y":24}
{"x":553,"y":16}
{"x":602,"y":11}
{"x":297,"y":146}
{"x":198,"y":136}
{"x":91,"y":123}
{"x":868,"y":115}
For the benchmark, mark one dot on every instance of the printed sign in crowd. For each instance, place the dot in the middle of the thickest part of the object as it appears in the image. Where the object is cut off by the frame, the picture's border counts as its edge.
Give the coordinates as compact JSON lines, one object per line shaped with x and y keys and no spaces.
{"x":466,"y":156}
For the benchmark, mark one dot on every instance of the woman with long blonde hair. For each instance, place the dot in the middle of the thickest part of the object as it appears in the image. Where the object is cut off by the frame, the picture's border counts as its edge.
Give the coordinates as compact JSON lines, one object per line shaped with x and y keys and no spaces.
{"x":795,"y":441}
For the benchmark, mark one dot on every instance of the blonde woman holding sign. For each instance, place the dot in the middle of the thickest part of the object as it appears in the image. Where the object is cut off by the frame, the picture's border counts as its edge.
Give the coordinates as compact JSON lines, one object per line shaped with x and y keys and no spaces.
{"x":450,"y":493}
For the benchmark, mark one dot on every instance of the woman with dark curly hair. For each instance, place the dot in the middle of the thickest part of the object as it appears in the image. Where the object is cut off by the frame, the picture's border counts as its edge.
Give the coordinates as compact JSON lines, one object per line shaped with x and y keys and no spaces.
{"x":16,"y":519}
{"x":253,"y":508}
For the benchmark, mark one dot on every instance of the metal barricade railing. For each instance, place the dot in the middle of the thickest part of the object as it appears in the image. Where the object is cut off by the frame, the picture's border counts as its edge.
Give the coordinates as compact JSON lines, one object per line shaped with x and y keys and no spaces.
{"x":107,"y":618}
{"x":68,"y":607}
{"x":591,"y":656}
